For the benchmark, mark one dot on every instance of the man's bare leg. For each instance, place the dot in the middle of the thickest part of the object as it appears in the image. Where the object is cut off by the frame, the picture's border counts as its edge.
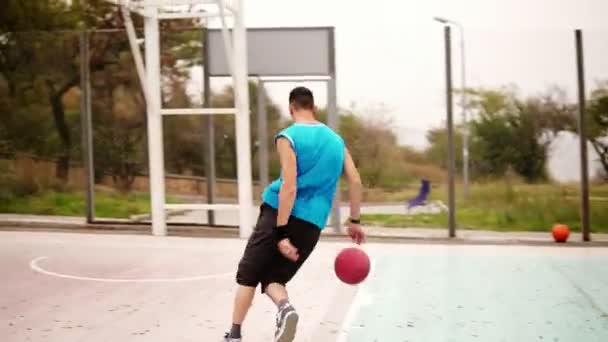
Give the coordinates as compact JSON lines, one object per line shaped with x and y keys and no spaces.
{"x":287,"y":318}
{"x":242,"y":303}
{"x":277,"y":293}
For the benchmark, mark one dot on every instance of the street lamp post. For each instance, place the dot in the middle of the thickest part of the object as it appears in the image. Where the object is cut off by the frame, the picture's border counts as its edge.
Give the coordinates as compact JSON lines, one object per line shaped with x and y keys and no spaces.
{"x":464,"y":105}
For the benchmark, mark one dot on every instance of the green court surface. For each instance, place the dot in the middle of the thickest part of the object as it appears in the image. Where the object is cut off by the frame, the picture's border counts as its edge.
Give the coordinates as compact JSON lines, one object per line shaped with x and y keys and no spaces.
{"x":492,"y":294}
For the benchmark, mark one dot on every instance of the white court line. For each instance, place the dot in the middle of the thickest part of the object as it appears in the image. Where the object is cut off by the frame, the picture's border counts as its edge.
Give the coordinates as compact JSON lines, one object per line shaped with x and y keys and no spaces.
{"x":34,"y":266}
{"x":358,"y":301}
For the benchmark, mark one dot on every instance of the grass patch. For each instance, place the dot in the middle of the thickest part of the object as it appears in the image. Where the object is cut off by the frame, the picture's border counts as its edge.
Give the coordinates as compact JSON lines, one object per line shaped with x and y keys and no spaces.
{"x":107,"y":204}
{"x":504,"y":207}
{"x":116,"y":205}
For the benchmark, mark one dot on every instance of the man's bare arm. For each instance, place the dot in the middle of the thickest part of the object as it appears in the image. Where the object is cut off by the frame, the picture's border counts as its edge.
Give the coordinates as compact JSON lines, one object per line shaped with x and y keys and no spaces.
{"x":287,"y":193}
{"x":355,"y":193}
{"x":354,"y":185}
{"x":287,"y":197}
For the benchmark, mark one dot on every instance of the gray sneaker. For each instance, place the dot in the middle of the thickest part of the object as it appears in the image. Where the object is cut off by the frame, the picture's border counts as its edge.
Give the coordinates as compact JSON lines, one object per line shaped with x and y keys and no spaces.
{"x":227,"y":338}
{"x":287,"y":322}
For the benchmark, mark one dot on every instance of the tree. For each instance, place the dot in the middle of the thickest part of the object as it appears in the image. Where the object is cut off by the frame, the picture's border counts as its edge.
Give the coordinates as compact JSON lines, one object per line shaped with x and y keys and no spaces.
{"x":225,"y":138}
{"x":119,"y":106}
{"x":372,"y":143}
{"x":437,"y":151}
{"x":24,"y":61}
{"x":183,"y":138}
{"x":508,"y":133}
{"x":39,"y":61}
{"x":530,"y":149}
{"x":39,"y":65}
{"x":374,"y":148}
{"x":539,"y":120}
{"x":597,"y":124}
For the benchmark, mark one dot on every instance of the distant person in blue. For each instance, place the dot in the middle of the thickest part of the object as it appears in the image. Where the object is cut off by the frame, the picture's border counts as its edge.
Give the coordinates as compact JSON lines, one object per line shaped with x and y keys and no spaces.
{"x":294,"y":211}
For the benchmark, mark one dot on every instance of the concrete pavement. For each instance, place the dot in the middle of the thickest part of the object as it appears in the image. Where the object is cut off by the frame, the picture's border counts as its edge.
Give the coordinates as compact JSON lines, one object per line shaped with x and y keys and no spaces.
{"x":59,"y":287}
{"x":88,"y":287}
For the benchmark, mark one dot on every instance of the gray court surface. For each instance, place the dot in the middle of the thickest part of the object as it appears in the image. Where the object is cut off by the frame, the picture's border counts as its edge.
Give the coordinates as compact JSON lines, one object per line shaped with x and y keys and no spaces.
{"x":79,"y":287}
{"x":93,"y":287}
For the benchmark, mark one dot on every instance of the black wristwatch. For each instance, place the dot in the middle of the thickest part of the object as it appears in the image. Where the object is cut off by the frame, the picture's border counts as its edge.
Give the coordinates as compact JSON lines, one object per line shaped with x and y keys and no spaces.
{"x":355,"y":221}
{"x":281,"y":233}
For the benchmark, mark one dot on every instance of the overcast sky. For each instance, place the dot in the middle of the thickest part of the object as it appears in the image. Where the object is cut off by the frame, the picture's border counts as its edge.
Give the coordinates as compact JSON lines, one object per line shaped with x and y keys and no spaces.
{"x":390,"y":53}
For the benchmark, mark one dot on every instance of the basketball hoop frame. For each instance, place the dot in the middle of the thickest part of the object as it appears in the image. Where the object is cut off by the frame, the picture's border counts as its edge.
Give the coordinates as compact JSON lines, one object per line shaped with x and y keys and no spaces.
{"x":177,"y":9}
{"x":235,"y":46}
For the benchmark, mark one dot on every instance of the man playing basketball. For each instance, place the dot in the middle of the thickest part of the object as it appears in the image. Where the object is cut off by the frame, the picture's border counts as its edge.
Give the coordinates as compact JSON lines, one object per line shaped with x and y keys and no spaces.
{"x":295,"y":209}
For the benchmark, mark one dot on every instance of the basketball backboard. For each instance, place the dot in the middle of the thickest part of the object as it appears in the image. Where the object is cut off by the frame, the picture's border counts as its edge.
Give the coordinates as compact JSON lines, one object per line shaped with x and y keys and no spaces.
{"x":306,"y":51}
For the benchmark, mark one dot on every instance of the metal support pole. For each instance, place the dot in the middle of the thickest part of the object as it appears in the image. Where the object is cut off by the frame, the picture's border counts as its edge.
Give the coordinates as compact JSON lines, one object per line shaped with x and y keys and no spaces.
{"x":86,"y":126}
{"x":243,"y":135}
{"x":155,"y":127}
{"x":582,"y":133}
{"x":464,"y":105}
{"x":333,"y":121}
{"x":135,"y":51}
{"x":450,"y":128}
{"x":262,"y":135}
{"x":209,"y":133}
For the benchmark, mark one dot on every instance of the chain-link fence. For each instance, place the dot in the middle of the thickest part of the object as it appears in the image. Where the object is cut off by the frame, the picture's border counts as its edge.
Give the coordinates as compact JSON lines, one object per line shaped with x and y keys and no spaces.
{"x":521,"y":100}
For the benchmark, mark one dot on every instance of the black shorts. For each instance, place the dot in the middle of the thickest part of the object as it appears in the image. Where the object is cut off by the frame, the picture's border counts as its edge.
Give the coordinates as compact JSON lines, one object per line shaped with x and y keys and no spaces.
{"x":262,"y":263}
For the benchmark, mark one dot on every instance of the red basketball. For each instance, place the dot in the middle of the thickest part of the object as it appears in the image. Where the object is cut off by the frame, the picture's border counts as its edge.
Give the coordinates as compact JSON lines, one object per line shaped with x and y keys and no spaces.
{"x":352,"y":265}
{"x":561,"y":232}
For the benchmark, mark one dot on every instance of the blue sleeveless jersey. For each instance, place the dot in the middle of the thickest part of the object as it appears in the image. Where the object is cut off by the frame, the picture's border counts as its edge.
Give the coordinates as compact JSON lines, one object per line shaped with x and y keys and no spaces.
{"x":320,"y":158}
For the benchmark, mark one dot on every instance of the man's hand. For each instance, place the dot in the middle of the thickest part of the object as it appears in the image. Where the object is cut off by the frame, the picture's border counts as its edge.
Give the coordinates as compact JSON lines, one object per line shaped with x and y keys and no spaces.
{"x":288,"y":250}
{"x":356,"y":233}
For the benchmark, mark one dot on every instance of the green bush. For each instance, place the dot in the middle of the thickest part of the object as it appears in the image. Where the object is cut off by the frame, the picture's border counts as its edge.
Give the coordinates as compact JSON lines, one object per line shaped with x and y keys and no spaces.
{"x":11,"y":186}
{"x":6,"y":178}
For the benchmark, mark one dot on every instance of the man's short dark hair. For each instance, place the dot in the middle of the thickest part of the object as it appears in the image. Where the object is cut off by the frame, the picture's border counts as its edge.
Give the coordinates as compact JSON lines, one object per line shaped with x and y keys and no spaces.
{"x":302,"y":98}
